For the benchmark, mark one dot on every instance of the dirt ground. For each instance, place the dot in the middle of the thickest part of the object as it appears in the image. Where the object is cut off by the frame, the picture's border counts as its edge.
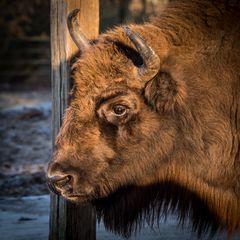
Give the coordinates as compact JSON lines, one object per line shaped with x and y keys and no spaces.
{"x":25,"y":133}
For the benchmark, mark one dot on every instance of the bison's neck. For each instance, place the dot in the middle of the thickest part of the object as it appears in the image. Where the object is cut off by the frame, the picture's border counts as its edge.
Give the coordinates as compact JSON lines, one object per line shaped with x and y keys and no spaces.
{"x":208,"y":161}
{"x":224,"y":204}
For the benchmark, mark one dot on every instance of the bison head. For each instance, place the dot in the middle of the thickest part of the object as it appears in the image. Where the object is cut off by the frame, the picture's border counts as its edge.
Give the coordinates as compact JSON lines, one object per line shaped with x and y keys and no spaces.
{"x":112,"y":130}
{"x":154,"y":103}
{"x":123,"y":125}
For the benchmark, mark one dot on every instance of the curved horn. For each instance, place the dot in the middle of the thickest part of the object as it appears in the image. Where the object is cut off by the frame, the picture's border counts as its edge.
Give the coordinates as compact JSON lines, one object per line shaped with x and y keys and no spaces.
{"x":73,"y":27}
{"x":151,"y":61}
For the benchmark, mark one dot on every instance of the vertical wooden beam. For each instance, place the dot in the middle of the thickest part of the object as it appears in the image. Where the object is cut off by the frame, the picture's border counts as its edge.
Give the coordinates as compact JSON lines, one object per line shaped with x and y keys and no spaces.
{"x":68,"y":221}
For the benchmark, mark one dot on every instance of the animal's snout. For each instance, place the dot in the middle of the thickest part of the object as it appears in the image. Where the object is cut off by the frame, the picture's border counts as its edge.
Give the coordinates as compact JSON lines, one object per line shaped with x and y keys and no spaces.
{"x":59,"y":184}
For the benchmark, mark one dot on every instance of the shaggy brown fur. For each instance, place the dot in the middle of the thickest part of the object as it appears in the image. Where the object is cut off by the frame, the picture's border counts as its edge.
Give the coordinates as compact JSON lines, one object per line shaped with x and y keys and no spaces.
{"x":182,"y":126}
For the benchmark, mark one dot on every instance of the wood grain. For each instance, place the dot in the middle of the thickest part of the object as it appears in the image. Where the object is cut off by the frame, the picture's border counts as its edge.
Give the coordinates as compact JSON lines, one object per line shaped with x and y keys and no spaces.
{"x":68,"y":221}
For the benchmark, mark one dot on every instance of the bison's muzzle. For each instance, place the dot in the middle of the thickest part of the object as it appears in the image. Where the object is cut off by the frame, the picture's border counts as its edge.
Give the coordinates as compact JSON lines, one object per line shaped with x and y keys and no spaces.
{"x":60,"y":183}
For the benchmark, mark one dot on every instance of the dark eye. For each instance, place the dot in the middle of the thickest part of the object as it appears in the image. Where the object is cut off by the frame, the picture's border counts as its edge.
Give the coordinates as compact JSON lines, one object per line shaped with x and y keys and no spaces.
{"x":119,"y":110}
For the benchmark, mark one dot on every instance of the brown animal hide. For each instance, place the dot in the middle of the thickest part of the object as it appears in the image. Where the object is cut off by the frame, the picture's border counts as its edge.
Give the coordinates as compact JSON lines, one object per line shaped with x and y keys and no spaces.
{"x":157,"y":103}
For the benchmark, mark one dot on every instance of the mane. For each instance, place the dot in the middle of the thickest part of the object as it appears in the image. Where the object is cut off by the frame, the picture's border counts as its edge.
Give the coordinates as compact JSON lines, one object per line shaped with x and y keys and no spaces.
{"x":125,"y":211}
{"x":185,"y":22}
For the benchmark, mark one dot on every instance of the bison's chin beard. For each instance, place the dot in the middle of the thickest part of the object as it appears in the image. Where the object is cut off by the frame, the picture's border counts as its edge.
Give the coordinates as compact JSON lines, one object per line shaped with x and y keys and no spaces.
{"x":128,"y":209}
{"x":125,"y":211}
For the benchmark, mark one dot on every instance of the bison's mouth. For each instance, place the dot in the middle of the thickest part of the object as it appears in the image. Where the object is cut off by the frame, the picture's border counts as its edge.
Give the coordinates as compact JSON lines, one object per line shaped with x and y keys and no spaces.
{"x":73,"y":195}
{"x":78,"y":198}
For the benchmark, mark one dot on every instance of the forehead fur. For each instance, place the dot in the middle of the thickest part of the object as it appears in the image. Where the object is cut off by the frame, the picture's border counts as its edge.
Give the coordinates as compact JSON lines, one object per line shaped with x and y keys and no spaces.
{"x":110,"y":62}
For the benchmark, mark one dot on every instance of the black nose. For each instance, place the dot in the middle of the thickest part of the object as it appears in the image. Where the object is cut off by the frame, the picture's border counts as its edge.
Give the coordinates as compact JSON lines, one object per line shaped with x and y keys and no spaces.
{"x":60,"y":183}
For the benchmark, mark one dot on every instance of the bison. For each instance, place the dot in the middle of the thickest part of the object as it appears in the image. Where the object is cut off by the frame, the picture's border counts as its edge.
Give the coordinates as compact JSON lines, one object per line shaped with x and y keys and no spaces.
{"x":157,"y":102}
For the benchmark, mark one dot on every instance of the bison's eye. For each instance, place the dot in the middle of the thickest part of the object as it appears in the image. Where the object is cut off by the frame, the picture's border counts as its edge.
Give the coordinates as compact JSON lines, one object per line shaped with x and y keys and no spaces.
{"x":119,"y":110}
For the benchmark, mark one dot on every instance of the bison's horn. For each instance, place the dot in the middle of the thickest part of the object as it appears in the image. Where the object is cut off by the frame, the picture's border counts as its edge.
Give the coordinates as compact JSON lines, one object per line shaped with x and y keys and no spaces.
{"x":73,"y":27}
{"x":151,"y":61}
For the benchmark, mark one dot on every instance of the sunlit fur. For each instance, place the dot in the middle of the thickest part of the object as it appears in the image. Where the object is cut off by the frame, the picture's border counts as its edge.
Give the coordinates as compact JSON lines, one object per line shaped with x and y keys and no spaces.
{"x":186,"y":122}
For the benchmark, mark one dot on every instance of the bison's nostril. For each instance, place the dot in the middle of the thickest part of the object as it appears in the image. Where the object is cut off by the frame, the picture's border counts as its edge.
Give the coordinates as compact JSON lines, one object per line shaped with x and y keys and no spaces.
{"x":60,"y":181}
{"x":57,"y":183}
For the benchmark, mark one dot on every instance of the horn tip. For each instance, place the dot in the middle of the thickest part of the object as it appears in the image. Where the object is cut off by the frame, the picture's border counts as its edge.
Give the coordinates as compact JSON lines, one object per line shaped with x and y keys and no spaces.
{"x":73,"y":13}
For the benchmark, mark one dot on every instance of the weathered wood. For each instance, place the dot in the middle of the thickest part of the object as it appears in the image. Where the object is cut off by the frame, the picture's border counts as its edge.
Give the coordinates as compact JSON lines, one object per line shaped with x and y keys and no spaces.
{"x":68,"y":221}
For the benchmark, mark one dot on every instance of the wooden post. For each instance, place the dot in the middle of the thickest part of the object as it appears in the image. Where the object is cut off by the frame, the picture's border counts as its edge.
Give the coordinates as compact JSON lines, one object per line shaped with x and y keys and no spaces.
{"x":68,"y":221}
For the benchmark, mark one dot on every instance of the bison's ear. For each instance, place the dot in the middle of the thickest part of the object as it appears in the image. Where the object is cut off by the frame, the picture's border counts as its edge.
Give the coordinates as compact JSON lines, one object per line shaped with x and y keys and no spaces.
{"x":163,"y":93}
